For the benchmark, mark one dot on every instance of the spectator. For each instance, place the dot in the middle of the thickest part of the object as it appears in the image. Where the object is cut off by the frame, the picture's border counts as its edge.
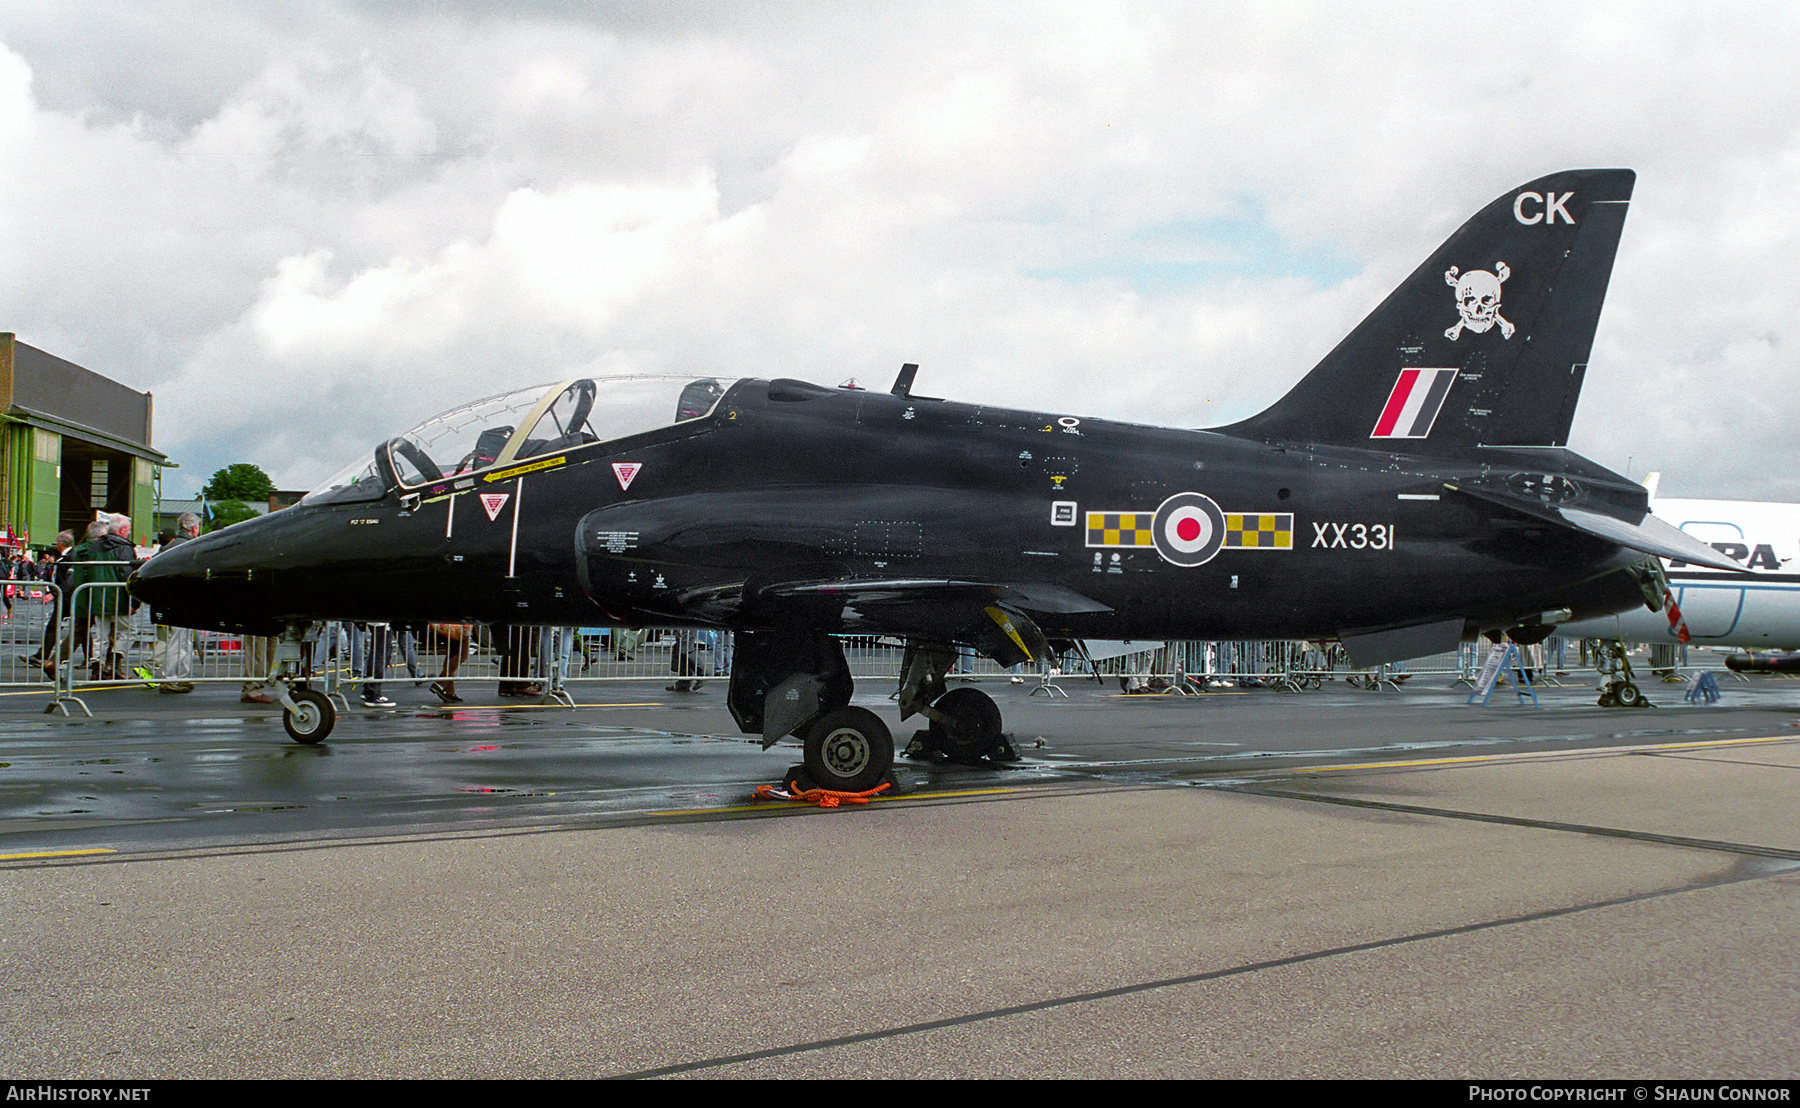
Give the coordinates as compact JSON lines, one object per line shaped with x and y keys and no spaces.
{"x":176,"y":665}
{"x":516,"y":646}
{"x":111,"y":607}
{"x":74,"y":570}
{"x":453,"y":639}
{"x":49,"y":571}
{"x":259,"y":659}
{"x":11,"y":569}
{"x":375,"y":663}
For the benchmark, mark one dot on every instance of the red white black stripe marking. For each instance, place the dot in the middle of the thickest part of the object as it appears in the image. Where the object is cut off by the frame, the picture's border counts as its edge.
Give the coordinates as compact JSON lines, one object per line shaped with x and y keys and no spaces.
{"x":1414,"y":404}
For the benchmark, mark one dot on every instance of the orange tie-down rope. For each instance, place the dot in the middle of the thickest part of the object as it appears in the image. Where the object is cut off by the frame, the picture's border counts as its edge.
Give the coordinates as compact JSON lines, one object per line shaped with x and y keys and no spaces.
{"x":824,"y":798}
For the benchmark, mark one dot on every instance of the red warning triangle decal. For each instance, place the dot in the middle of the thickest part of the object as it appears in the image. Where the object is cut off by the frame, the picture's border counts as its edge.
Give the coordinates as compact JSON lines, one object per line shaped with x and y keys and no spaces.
{"x":625,"y":471}
{"x":493,"y":502}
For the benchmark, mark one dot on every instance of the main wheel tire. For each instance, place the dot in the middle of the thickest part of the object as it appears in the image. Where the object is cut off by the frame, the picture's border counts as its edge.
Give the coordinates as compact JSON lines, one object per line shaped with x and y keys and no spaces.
{"x":312,"y":718}
{"x":974,"y":730}
{"x":849,"y":750}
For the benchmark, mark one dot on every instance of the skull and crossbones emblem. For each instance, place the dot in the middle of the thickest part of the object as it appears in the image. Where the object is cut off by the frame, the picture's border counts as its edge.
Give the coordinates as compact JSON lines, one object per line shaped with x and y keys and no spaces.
{"x":1478,"y":300}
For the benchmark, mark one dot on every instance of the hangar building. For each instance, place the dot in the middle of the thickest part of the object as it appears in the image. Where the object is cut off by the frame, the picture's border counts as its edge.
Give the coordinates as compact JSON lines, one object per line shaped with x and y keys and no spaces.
{"x":72,"y":443}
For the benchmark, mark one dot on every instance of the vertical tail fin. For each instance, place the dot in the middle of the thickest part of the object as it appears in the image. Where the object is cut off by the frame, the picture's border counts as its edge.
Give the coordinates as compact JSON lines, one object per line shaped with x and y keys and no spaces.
{"x":1483,"y":345}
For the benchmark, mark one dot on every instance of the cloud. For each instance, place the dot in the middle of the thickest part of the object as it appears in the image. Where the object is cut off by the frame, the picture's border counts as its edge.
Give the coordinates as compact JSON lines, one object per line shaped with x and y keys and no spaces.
{"x":305,"y":229}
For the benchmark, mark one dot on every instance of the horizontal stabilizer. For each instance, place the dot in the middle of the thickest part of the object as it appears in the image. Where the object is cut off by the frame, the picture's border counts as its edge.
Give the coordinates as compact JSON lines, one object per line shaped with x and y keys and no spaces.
{"x":1652,"y":536}
{"x":1649,"y":535}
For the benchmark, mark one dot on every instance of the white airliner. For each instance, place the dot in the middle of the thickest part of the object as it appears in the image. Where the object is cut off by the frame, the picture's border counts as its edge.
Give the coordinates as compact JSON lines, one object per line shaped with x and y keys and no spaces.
{"x":1759,"y":609}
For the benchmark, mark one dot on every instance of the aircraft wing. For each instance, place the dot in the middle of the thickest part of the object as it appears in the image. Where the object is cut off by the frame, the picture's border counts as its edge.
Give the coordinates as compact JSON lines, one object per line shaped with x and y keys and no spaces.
{"x":1649,"y":535}
{"x":1000,"y":618}
{"x":1048,"y":599}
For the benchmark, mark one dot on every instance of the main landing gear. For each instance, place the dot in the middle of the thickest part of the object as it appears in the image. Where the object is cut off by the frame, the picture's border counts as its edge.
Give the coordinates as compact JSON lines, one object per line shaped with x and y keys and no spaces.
{"x":848,"y":749}
{"x":964,"y":723}
{"x":797,"y":684}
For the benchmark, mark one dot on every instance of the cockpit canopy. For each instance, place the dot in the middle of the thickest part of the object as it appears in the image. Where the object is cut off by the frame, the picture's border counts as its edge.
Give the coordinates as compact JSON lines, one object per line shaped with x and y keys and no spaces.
{"x":519,"y":425}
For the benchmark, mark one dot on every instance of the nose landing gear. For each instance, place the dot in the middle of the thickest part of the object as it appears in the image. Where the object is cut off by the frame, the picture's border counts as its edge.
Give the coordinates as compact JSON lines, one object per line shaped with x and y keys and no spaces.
{"x":307,"y":715}
{"x":310,"y":717}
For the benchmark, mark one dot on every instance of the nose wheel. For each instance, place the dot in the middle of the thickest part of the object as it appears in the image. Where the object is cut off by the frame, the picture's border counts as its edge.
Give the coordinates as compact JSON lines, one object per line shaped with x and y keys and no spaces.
{"x":306,"y":714}
{"x":310,"y":718}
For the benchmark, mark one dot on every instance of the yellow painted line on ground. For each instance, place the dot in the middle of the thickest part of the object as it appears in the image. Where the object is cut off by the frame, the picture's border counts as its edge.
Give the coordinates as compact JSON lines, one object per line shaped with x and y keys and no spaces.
{"x":83,"y":690}
{"x":1471,"y":758}
{"x":55,"y":854}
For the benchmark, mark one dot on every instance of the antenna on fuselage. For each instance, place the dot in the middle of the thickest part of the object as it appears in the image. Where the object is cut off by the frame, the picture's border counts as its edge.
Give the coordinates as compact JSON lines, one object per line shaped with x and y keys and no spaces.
{"x":903,"y":383}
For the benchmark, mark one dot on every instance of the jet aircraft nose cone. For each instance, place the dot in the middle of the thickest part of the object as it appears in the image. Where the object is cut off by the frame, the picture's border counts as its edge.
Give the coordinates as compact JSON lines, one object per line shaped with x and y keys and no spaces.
{"x":204,"y":582}
{"x":162,"y":579}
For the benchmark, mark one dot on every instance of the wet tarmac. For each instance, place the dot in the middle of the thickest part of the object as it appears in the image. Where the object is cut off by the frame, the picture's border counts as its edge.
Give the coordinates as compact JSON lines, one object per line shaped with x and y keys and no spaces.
{"x":1245,"y":883}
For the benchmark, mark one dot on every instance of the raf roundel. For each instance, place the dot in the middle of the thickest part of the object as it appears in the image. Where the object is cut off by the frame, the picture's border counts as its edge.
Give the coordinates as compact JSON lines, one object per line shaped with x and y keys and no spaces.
{"x":1188,"y":529}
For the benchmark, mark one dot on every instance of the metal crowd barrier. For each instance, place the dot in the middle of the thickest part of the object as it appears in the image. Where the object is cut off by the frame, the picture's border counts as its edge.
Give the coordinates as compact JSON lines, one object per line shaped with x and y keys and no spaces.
{"x":108,"y":640}
{"x":27,"y":631}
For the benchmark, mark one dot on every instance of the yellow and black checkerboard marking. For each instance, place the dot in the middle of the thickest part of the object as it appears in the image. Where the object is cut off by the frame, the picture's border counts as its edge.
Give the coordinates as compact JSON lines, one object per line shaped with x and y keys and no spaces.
{"x":1265,"y":531}
{"x":1120,"y":529}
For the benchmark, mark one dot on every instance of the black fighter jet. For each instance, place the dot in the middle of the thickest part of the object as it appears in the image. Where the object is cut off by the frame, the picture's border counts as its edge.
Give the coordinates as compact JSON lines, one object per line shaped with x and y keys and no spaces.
{"x":1410,"y":493}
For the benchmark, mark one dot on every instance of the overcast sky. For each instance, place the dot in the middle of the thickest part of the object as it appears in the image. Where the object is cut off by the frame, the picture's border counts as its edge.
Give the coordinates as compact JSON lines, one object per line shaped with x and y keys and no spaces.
{"x":307,"y":225}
